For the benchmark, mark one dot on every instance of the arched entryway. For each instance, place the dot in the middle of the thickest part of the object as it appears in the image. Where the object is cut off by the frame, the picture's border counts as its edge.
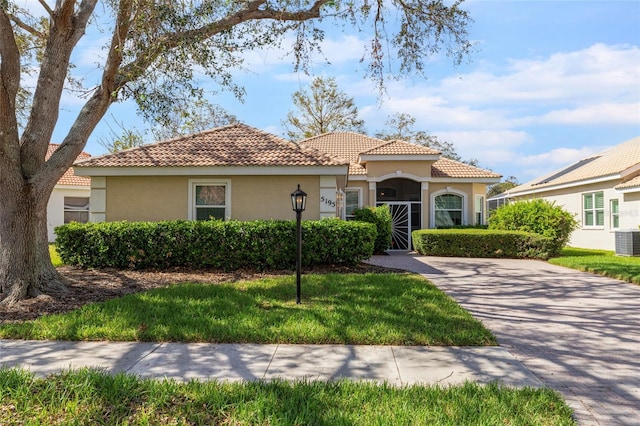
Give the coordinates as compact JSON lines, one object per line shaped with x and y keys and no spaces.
{"x":403,"y":196}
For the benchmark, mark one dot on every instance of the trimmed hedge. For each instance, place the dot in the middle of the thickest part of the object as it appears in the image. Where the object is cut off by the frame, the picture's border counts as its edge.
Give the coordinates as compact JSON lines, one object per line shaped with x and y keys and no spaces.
{"x":230,"y":245}
{"x":381,"y":217}
{"x":482,"y":243}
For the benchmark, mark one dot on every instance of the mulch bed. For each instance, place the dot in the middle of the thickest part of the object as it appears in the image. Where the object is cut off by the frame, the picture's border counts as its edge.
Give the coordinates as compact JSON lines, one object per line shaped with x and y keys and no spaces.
{"x":92,"y":285}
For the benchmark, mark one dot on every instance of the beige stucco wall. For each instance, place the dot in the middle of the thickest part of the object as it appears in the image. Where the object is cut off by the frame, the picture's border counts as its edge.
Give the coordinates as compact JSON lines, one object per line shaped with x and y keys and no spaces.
{"x":377,"y":169}
{"x":154,"y":198}
{"x":596,"y":237}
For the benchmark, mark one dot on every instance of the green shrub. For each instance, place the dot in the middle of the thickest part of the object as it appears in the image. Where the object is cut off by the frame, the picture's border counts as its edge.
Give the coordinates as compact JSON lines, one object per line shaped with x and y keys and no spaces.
{"x":481,"y":243}
{"x":539,"y":216}
{"x":227,"y":245}
{"x":381,"y":217}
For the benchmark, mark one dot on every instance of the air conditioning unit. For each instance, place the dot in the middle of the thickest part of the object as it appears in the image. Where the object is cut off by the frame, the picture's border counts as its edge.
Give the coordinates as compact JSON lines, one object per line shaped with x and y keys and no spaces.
{"x":628,"y":242}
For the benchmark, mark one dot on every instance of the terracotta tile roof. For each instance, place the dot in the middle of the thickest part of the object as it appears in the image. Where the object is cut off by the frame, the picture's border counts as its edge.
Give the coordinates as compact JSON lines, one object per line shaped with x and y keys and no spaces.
{"x":233,"y":145}
{"x":397,"y":147}
{"x":347,"y":145}
{"x":350,"y":146}
{"x":70,"y":178}
{"x":611,"y":162}
{"x":446,"y":168}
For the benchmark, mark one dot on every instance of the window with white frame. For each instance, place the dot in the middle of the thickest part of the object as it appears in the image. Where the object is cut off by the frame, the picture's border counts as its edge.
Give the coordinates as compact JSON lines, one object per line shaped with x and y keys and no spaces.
{"x":76,"y":209}
{"x":593,"y":209}
{"x":448,"y":210}
{"x":209,"y":200}
{"x":615,"y":214}
{"x":352,"y":202}
{"x":479,"y":209}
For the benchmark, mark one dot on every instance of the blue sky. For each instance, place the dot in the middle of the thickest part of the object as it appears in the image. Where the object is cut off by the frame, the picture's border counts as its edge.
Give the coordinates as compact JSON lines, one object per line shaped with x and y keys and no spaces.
{"x":551,"y":82}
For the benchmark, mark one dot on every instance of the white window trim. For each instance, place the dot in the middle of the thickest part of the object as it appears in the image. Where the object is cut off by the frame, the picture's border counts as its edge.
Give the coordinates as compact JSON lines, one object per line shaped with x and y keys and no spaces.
{"x":612,"y":214}
{"x":594,"y":210}
{"x":465,"y":209}
{"x":483,"y":208}
{"x":75,"y":210}
{"x":347,"y":189}
{"x":192,"y":194}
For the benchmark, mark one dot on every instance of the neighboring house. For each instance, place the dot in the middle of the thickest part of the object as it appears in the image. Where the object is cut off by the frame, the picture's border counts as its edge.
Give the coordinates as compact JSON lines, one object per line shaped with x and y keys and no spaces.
{"x":239,"y":172}
{"x":602,"y":191}
{"x":69,"y":199}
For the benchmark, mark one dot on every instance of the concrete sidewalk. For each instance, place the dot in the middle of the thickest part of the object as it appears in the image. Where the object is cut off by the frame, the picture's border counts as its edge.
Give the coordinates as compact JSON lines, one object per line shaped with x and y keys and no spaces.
{"x":397,"y":365}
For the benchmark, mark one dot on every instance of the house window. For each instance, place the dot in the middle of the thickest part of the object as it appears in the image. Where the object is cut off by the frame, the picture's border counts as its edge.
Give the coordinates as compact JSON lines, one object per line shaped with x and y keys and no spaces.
{"x":479,"y":210}
{"x":352,"y":202}
{"x":593,"y":209}
{"x":209,"y":200}
{"x":448,"y":210}
{"x":76,"y":209}
{"x":615,"y":214}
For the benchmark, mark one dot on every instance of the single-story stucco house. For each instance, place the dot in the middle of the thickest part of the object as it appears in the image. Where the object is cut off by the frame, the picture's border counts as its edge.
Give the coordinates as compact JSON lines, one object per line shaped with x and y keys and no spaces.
{"x":602,"y":191}
{"x":242,"y":173}
{"x":69,"y":200}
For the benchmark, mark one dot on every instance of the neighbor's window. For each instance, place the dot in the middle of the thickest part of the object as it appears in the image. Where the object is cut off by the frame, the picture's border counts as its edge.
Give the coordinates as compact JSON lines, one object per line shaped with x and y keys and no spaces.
{"x":210,"y":201}
{"x":352,"y":202}
{"x":448,"y":209}
{"x":593,"y":209}
{"x":76,"y":209}
{"x":615,"y":214}
{"x":479,"y":210}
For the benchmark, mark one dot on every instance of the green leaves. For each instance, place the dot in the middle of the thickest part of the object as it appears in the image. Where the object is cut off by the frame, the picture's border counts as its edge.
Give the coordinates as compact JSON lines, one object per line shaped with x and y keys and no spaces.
{"x":228,"y":245}
{"x":539,"y":216}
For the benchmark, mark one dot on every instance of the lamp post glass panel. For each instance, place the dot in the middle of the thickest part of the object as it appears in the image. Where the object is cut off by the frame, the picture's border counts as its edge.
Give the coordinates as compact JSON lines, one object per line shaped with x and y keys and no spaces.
{"x":298,"y":203}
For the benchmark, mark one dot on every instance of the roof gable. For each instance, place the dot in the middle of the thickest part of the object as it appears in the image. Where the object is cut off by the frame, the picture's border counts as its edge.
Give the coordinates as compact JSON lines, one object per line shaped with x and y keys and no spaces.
{"x":235,"y":145}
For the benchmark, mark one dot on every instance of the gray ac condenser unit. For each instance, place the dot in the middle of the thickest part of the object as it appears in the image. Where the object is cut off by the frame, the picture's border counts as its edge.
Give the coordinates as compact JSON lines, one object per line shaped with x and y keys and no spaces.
{"x":628,"y":242}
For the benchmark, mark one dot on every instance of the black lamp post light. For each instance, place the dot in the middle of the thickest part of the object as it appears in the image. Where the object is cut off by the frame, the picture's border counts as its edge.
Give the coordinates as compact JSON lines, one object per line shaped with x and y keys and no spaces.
{"x":298,"y":203}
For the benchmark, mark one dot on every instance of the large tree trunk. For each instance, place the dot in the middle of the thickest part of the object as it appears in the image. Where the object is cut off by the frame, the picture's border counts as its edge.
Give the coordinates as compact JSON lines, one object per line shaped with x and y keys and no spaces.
{"x":25,"y":265}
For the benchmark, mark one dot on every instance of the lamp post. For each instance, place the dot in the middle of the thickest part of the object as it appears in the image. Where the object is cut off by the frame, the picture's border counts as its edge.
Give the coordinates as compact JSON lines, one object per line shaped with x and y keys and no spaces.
{"x":298,"y":203}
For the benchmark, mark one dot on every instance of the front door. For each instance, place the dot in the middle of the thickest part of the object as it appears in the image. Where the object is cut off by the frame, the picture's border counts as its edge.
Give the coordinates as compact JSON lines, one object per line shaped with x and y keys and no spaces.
{"x":405,"y":218}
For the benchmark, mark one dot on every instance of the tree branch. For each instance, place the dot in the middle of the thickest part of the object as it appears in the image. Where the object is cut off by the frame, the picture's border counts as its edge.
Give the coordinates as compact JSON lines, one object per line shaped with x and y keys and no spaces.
{"x":28,"y":28}
{"x":46,"y":7}
{"x":251,"y":12}
{"x":66,"y":30}
{"x":9,"y":85}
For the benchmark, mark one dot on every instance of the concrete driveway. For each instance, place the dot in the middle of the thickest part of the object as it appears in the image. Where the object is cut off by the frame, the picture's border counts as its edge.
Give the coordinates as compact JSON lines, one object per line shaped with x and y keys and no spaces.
{"x":578,"y":333}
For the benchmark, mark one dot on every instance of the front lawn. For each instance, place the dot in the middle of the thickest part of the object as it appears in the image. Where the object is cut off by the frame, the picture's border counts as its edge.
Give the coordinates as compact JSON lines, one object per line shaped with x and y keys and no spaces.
{"x":89,"y":397}
{"x":368,"y":309}
{"x":601,"y":262}
{"x":55,"y":257}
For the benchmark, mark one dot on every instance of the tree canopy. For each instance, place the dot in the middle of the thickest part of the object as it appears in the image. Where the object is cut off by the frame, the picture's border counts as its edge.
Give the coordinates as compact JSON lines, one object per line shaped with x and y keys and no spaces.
{"x":321,"y":109}
{"x":153,"y":51}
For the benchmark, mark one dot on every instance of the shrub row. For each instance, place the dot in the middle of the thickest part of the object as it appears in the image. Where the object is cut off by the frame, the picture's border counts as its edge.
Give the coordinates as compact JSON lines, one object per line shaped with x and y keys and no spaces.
{"x":381,"y":217}
{"x":230,"y":245}
{"x":482,"y":243}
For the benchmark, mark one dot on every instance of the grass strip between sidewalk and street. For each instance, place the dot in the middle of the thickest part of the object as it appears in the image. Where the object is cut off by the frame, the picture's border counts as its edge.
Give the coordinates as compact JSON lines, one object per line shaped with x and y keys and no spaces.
{"x":601,"y":262}
{"x":360,"y":309}
{"x":91,"y":397}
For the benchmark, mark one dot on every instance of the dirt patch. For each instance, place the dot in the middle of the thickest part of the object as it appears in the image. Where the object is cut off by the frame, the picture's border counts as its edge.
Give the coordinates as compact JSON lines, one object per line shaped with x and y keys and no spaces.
{"x":92,"y":285}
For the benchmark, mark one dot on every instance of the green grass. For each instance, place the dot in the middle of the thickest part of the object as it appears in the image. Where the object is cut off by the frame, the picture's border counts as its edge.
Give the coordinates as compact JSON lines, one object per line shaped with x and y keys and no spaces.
{"x":600,"y":262}
{"x":369,"y":309}
{"x":90,"y":397}
{"x":55,"y":258}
